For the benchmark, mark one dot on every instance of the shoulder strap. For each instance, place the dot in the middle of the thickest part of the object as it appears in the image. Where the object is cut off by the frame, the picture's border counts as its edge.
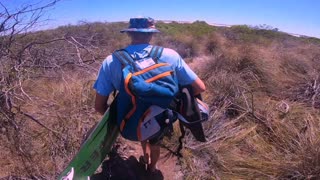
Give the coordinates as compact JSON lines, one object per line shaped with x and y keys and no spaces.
{"x":124,"y":57}
{"x":156,"y":52}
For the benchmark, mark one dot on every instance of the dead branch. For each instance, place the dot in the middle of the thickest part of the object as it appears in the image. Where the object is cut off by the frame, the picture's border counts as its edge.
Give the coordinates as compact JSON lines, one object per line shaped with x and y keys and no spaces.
{"x":78,"y":47}
{"x":10,"y":118}
{"x":78,"y":51}
{"x":316,"y":90}
{"x":56,"y":133}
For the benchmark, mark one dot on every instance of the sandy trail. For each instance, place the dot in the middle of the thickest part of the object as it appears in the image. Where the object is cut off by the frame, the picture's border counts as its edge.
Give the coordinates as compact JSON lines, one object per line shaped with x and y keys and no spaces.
{"x":123,"y":164}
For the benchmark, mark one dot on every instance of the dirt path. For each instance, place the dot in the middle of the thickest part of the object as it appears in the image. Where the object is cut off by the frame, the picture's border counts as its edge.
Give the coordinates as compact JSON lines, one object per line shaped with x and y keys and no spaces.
{"x":123,"y":164}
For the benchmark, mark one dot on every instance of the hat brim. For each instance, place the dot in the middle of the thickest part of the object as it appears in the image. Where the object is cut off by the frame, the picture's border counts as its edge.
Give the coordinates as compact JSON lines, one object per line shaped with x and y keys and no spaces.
{"x":146,"y":30}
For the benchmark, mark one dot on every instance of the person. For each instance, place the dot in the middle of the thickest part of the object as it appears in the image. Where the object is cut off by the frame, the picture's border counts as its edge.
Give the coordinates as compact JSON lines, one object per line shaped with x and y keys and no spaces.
{"x":141,"y":31}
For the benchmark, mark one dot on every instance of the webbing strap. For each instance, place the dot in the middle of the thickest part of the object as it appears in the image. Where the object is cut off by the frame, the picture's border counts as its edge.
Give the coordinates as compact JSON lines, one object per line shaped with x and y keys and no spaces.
{"x":181,"y":118}
{"x":124,"y":57}
{"x":156,"y":52}
{"x":183,"y":133}
{"x":159,"y":52}
{"x":153,"y":50}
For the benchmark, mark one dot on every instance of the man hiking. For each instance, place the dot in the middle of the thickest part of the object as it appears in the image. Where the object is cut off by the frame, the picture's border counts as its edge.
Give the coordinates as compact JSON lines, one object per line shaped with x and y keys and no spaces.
{"x":120,"y":71}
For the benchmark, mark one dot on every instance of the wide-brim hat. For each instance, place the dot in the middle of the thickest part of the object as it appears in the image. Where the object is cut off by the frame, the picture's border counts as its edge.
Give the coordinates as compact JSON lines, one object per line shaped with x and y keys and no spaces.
{"x":141,"y":24}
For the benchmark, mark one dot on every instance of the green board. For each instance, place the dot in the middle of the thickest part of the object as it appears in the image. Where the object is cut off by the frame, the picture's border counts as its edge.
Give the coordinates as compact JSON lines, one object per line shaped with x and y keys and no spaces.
{"x":94,"y":149}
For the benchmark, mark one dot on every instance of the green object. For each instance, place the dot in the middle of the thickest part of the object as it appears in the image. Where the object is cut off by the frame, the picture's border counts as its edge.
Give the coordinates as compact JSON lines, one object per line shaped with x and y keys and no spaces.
{"x":94,"y":149}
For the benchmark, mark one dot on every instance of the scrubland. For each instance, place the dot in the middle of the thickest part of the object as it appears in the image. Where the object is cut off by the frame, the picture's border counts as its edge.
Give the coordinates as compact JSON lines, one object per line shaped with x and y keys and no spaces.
{"x":262,"y":88}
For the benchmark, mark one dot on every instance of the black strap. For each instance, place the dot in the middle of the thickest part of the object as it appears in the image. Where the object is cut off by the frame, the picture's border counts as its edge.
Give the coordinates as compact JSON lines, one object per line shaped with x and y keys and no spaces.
{"x":177,"y":152}
{"x":183,"y":133}
{"x":114,"y":94}
{"x":198,"y":96}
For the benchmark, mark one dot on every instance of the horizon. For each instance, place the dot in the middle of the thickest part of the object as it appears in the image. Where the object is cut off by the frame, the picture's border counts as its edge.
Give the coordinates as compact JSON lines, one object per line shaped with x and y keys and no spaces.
{"x":295,"y":17}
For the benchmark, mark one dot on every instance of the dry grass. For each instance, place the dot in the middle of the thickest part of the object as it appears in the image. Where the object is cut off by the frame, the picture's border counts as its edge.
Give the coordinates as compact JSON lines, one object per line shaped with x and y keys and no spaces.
{"x":62,"y":109}
{"x":263,"y":91}
{"x":280,"y":147}
{"x":265,"y":118}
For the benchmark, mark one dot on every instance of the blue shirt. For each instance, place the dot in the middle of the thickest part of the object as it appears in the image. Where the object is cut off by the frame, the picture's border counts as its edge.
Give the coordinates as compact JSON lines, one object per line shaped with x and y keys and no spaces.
{"x":110,"y":72}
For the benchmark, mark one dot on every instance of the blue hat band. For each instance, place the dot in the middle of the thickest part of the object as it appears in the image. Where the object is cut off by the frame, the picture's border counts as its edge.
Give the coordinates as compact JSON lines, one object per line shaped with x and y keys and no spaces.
{"x":146,"y":25}
{"x":145,"y":30}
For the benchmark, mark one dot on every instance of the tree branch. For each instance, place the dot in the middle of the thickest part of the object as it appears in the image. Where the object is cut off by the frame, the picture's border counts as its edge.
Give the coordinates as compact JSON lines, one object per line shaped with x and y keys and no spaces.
{"x":56,"y":133}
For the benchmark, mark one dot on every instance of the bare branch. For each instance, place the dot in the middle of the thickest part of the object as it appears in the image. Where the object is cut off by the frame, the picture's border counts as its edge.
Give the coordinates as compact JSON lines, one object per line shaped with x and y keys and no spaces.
{"x":56,"y":133}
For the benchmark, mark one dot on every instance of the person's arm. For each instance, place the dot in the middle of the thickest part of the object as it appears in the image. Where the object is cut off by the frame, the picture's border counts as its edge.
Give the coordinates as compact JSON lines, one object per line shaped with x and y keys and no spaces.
{"x":101,"y":103}
{"x":185,"y":75}
{"x":103,"y":85}
{"x":198,"y":86}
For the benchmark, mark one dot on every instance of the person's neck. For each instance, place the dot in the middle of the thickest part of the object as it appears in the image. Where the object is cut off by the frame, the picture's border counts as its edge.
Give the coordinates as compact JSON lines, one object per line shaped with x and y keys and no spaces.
{"x":139,"y":42}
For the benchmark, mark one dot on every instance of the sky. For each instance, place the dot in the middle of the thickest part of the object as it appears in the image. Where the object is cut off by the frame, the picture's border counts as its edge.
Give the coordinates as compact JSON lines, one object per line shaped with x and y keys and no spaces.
{"x":292,"y":16}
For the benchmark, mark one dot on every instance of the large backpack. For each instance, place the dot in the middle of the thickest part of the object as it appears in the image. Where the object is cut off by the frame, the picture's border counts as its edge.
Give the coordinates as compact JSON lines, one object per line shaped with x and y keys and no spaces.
{"x":147,"y":88}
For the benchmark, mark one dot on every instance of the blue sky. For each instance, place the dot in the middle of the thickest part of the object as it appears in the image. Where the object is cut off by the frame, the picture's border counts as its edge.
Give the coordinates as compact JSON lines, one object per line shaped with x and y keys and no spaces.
{"x":293,"y":16}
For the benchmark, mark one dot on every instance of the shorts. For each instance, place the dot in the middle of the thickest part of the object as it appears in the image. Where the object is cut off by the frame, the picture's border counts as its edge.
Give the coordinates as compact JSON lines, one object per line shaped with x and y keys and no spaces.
{"x":157,"y":138}
{"x":166,"y":128}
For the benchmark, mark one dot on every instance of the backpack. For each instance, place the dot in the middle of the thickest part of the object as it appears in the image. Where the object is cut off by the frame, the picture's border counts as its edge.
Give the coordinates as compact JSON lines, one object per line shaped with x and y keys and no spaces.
{"x":192,"y":112}
{"x":147,"y":88}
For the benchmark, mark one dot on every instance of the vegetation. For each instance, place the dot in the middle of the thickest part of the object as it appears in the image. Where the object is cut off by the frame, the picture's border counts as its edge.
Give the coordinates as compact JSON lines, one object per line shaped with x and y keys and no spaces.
{"x":262,"y":86}
{"x":265,"y":103}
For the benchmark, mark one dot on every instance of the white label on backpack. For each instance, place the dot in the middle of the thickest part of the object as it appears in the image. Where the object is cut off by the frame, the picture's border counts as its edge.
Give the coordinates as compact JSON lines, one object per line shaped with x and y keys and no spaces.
{"x":144,"y":63}
{"x":150,"y":125}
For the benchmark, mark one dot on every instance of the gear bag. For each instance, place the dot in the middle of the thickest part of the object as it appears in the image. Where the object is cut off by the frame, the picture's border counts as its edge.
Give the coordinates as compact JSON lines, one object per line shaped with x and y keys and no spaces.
{"x":148,"y":86}
{"x":192,"y":111}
